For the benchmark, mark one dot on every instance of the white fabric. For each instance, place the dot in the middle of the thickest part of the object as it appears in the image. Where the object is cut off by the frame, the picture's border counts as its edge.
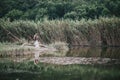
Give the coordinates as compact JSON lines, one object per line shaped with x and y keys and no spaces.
{"x":36,"y":43}
{"x":37,"y":48}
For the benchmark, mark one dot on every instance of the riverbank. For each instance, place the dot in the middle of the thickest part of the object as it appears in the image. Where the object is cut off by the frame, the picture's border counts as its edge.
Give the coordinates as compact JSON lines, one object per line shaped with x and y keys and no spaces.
{"x":12,"y":49}
{"x":60,"y":55}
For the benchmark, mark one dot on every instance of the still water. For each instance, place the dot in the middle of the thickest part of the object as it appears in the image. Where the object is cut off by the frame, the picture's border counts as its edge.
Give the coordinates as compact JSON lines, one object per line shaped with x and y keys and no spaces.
{"x":22,"y":67}
{"x":103,"y":52}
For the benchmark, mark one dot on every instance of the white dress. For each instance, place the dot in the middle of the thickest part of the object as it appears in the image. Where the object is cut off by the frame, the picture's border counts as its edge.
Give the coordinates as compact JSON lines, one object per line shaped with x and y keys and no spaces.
{"x":37,"y":48}
{"x":36,"y":43}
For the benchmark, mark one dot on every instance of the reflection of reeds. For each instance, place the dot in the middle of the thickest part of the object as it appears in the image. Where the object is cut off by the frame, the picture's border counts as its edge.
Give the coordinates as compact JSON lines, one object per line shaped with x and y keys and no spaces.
{"x":85,"y":52}
{"x":111,"y":52}
{"x":102,"y":52}
{"x":103,"y":31}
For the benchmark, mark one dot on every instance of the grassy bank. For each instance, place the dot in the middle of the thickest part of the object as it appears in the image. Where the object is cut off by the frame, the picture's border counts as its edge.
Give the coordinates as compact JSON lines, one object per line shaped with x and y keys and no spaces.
{"x":10,"y":50}
{"x":14,"y":49}
{"x":103,"y":31}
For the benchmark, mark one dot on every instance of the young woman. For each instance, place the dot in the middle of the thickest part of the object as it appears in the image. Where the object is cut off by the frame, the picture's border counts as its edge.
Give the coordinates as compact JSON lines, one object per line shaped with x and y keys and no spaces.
{"x":37,"y":47}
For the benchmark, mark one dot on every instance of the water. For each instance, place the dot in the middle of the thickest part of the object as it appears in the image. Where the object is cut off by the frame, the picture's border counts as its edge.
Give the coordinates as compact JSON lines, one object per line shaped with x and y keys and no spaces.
{"x":103,"y":52}
{"x":23,"y":67}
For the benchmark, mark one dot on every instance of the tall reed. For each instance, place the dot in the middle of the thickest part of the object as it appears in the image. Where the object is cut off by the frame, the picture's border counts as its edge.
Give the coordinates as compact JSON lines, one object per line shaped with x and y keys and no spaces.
{"x":102,"y":31}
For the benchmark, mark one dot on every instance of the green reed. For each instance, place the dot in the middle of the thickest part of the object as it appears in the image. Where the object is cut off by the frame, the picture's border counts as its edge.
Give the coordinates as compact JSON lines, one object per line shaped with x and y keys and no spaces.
{"x":102,"y":31}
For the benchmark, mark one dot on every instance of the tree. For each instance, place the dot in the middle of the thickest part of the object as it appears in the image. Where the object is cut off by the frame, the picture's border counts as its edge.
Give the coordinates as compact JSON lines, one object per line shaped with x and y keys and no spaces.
{"x":57,"y":9}
{"x":14,"y":14}
{"x":71,"y":15}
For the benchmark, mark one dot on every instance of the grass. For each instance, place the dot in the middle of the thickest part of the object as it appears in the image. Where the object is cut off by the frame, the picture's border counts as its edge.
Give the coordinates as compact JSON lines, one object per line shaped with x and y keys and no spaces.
{"x":13,"y":49}
{"x":102,"y":31}
{"x":10,"y":49}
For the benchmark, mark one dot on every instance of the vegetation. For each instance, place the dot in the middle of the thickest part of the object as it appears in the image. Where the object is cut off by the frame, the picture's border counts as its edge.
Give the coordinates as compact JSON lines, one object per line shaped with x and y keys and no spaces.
{"x":58,"y":9}
{"x":77,"y":22}
{"x":102,"y":31}
{"x":14,"y":50}
{"x":10,"y":50}
{"x":67,"y":22}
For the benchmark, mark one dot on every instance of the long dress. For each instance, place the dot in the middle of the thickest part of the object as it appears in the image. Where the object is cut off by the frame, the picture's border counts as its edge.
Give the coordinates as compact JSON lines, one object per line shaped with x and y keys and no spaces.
{"x":37,"y":47}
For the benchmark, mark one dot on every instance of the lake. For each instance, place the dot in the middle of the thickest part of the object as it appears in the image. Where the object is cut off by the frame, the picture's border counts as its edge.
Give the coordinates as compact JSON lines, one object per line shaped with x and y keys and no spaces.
{"x":79,"y":63}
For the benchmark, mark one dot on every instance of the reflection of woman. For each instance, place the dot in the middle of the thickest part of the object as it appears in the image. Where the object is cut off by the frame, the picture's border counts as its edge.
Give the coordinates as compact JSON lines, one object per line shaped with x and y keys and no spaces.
{"x":37,"y":47}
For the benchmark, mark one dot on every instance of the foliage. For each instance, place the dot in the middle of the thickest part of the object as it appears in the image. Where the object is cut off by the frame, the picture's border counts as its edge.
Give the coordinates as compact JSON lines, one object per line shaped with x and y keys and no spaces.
{"x":58,"y":9}
{"x":14,"y":14}
{"x":103,"y":31}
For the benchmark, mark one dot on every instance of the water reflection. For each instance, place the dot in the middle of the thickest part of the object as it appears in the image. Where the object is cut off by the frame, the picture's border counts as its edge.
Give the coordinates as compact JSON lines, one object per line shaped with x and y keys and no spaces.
{"x":103,"y":52}
{"x":36,"y":57}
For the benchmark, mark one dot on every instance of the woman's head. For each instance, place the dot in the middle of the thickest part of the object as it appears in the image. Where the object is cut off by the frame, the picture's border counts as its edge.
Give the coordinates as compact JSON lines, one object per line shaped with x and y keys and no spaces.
{"x":36,"y":37}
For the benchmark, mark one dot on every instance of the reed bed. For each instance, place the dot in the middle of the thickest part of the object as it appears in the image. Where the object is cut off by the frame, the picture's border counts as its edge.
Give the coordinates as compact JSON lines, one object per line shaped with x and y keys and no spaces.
{"x":102,"y":31}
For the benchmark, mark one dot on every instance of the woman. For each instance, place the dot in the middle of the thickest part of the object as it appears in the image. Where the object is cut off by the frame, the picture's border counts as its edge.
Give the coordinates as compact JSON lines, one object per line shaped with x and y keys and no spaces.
{"x":37,"y":47}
